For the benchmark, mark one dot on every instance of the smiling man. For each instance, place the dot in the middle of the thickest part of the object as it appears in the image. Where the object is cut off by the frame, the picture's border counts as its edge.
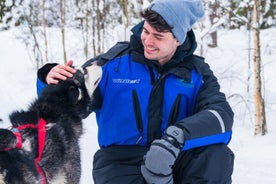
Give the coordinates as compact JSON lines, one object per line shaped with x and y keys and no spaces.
{"x":156,"y":44}
{"x":161,"y":116}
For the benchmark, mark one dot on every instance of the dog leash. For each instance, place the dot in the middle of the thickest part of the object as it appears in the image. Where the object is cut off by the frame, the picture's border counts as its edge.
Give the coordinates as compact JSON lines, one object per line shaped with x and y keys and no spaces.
{"x":41,"y":128}
{"x":41,"y":135}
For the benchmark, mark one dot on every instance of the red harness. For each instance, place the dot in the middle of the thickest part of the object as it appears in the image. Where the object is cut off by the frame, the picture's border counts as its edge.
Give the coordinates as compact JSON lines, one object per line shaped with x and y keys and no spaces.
{"x":41,"y":130}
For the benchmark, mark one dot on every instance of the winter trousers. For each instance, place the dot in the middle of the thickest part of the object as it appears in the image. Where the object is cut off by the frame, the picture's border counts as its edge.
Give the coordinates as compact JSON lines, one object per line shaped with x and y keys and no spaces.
{"x":211,"y":164}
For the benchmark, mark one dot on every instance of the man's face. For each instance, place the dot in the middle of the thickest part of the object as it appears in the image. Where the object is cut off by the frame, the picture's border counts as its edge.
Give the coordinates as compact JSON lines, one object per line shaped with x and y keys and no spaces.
{"x":159,"y":46}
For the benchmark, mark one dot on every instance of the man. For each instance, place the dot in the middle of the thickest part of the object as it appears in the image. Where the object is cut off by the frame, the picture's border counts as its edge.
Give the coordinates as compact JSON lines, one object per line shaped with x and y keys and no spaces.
{"x":160,"y":113}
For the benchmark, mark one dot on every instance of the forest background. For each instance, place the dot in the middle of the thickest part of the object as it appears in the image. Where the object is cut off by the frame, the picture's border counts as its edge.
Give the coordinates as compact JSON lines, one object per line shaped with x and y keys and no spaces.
{"x":58,"y":30}
{"x":97,"y":20}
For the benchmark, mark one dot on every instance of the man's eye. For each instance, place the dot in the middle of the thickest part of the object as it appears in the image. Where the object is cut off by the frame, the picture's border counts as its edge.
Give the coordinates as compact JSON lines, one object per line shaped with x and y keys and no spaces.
{"x":145,"y":31}
{"x":158,"y":38}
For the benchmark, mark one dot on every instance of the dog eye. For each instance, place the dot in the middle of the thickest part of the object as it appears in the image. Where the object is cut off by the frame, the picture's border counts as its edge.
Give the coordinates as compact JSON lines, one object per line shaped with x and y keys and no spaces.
{"x":96,"y":82}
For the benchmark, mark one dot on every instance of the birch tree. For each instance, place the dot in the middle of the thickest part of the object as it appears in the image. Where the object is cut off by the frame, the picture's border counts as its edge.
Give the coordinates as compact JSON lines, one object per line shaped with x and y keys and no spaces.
{"x":94,"y":29}
{"x":62,"y":29}
{"x":44,"y":24}
{"x":260,"y":117}
{"x":213,"y":16}
{"x":125,"y":18}
{"x":83,"y":15}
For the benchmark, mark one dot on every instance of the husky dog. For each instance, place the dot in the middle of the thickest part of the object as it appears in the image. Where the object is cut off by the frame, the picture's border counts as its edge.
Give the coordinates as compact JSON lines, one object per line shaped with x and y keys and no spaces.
{"x":43,"y":145}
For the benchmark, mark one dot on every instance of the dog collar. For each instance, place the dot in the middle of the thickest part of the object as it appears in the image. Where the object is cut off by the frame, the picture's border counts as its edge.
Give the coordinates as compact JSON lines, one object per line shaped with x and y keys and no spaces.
{"x":18,"y":136}
{"x":17,"y":133}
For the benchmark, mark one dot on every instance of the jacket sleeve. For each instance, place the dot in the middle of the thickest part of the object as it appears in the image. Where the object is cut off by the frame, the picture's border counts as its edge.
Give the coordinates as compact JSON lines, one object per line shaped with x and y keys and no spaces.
{"x":41,"y":77}
{"x":213,"y":118}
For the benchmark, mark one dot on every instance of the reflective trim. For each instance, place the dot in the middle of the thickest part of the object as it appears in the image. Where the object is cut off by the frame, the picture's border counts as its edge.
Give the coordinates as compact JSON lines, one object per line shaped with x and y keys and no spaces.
{"x":219,"y":119}
{"x":223,"y":138}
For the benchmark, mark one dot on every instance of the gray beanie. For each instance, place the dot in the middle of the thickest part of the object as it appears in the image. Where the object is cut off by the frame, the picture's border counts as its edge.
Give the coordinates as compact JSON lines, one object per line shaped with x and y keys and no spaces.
{"x":179,"y":14}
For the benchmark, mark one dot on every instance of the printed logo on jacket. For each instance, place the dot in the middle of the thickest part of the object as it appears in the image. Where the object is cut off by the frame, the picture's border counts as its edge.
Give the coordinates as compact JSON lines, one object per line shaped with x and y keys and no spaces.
{"x":126,"y":81}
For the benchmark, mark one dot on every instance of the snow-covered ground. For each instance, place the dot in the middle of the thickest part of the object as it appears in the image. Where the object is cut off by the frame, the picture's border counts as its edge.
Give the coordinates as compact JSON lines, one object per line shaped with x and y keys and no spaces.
{"x":255,"y":161}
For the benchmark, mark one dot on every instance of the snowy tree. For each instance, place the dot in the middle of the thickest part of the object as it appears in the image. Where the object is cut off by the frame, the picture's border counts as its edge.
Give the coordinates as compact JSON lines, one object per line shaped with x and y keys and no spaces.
{"x":62,"y":8}
{"x":260,"y":117}
{"x":44,"y":22}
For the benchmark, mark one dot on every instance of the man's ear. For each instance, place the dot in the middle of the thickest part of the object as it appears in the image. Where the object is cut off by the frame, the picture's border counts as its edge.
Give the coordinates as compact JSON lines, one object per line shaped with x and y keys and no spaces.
{"x":177,"y":43}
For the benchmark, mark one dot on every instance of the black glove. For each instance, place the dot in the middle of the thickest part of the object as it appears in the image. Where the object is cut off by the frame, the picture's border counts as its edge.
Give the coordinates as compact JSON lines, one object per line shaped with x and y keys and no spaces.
{"x":44,"y":70}
{"x":157,"y":165}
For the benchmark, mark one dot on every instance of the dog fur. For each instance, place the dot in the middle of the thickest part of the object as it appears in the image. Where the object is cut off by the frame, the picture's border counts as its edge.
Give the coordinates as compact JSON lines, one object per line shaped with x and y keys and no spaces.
{"x":62,"y":106}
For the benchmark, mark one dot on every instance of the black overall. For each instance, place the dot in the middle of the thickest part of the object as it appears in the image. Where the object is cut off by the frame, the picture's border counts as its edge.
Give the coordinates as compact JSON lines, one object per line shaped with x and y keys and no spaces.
{"x":211,"y":164}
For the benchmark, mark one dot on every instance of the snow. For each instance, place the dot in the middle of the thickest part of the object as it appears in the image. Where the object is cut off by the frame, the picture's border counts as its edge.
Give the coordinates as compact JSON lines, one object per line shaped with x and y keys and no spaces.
{"x":255,"y":160}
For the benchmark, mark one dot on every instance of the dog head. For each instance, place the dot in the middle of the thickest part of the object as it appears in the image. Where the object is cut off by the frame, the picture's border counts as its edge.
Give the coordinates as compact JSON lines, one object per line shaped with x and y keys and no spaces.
{"x":88,"y":77}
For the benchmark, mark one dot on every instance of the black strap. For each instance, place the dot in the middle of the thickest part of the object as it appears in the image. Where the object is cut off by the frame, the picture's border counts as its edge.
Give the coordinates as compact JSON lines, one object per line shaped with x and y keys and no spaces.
{"x":118,"y":49}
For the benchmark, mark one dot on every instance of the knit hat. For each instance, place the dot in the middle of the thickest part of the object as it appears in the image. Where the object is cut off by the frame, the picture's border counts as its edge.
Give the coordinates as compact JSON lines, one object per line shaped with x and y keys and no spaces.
{"x":179,"y":14}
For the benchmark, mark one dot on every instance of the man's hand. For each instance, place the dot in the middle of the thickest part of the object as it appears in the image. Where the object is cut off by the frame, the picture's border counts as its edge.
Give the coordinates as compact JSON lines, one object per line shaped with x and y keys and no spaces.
{"x":158,"y":162}
{"x":60,"y":72}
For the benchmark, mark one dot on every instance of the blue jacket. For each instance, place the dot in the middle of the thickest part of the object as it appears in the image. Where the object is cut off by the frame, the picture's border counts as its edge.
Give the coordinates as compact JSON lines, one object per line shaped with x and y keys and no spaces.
{"x":137,"y":99}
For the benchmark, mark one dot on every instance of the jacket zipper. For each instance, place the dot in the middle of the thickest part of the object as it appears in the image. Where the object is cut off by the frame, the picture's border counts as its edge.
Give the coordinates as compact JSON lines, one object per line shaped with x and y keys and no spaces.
{"x":175,"y":111}
{"x":138,"y":115}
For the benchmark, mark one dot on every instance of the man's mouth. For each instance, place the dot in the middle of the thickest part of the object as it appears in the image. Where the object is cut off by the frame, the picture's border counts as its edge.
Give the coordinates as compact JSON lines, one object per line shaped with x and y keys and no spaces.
{"x":150,"y":50}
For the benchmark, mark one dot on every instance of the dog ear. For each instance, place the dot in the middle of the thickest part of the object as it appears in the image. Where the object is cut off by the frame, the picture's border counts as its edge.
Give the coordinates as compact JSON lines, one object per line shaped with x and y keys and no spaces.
{"x":74,"y":94}
{"x":18,"y":118}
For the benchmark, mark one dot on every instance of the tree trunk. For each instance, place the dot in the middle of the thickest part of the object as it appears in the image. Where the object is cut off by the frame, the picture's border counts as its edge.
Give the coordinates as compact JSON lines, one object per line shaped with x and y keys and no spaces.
{"x":124,"y":6}
{"x":213,"y":15}
{"x":44,"y":30}
{"x":260,"y":117}
{"x":94,"y":29}
{"x":104,"y":14}
{"x":99,"y":17}
{"x":62,"y":18}
{"x":86,"y":30}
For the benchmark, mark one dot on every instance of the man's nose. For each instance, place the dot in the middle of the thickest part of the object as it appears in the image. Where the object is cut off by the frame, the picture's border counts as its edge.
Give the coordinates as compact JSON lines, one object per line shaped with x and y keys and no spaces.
{"x":149,"y":39}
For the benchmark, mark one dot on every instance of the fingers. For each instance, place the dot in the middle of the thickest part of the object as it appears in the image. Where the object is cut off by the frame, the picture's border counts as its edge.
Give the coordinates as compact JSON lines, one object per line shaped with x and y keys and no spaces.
{"x":156,"y":178}
{"x":60,"y":72}
{"x":69,"y":63}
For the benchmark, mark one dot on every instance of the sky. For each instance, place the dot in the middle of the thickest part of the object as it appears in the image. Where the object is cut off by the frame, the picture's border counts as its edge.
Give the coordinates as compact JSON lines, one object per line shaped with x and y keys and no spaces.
{"x":255,"y":156}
